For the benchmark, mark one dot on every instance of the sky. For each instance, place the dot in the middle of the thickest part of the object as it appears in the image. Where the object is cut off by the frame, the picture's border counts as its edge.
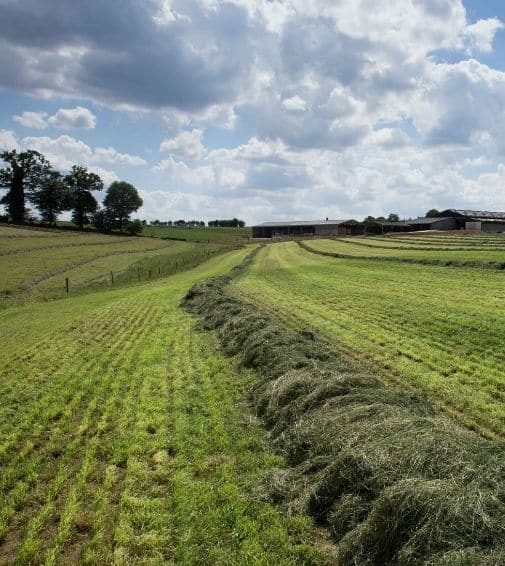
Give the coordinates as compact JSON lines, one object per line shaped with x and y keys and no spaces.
{"x":264,"y":109}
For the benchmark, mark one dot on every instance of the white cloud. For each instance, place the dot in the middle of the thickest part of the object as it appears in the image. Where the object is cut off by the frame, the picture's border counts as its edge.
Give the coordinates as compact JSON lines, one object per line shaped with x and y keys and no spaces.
{"x":35,"y":120}
{"x":68,"y":118}
{"x":64,"y":119}
{"x":480,"y":35}
{"x":111,"y":155}
{"x":185,"y":144}
{"x":8,"y":140}
{"x":201,"y":175}
{"x":295,"y":103}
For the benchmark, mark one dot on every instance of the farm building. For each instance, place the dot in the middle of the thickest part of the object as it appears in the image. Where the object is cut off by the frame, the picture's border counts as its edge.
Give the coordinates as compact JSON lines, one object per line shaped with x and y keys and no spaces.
{"x":475,"y":220}
{"x":307,"y":228}
{"x":412,"y":225}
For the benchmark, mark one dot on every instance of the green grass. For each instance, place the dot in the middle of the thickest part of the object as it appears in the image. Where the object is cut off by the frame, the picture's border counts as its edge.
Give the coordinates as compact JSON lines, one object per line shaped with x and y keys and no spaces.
{"x":123,"y":438}
{"x":199,"y":234}
{"x":35,"y":263}
{"x":435,"y":329}
{"x":411,"y":248}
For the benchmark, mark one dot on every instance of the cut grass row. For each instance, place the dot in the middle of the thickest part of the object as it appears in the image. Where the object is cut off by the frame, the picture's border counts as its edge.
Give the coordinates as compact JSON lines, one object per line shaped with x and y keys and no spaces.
{"x":436,"y":329}
{"x":38,"y":267}
{"x":361,"y":249}
{"x":122,"y":438}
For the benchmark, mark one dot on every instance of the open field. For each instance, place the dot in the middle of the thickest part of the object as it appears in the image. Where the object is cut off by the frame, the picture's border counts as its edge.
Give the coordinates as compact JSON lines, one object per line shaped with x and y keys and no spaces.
{"x":35,"y":263}
{"x":199,"y":234}
{"x":450,"y":248}
{"x":123,"y":438}
{"x":433,"y":329}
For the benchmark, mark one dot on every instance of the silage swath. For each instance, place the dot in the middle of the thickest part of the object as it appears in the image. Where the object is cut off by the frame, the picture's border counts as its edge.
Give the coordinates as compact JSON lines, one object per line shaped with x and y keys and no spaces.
{"x":435,"y":329}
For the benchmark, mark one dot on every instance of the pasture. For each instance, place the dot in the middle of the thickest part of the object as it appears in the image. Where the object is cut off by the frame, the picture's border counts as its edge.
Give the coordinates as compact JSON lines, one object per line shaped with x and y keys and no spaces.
{"x":124,"y":438}
{"x":200,"y":234}
{"x":482,"y":249}
{"x":439,"y":330}
{"x":35,"y":263}
{"x":127,"y":436}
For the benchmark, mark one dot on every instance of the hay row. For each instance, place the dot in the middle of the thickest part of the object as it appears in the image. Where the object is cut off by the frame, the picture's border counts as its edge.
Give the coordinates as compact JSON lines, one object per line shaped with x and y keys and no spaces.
{"x":393,"y":481}
{"x":439,"y":262}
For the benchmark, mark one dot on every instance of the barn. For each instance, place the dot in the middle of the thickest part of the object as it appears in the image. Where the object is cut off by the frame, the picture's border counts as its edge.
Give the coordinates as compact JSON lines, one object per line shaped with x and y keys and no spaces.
{"x":307,"y":228}
{"x":476,"y":219}
{"x":411,"y":225}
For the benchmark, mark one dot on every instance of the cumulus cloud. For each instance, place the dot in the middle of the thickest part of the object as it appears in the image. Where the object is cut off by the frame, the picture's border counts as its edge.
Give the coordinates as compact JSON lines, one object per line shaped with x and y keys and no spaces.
{"x":480,"y":35}
{"x":111,"y":155}
{"x":64,"y":119}
{"x":8,"y":140}
{"x":186,"y":144}
{"x":34,"y":120}
{"x":348,"y":108}
{"x":68,"y":118}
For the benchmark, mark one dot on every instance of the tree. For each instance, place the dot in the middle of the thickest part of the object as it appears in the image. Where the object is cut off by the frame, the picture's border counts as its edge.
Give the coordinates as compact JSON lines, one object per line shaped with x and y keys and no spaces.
{"x":81,"y":182}
{"x":432,"y":213}
{"x":102,"y":220}
{"x":134,"y":227}
{"x":24,"y":174}
{"x":121,"y":200}
{"x":52,"y":197}
{"x":393,"y":217}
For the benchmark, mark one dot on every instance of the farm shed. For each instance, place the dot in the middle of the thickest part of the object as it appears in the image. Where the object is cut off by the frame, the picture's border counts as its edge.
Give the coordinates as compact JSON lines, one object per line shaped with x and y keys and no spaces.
{"x":307,"y":228}
{"x":476,"y":219}
{"x":412,"y":225}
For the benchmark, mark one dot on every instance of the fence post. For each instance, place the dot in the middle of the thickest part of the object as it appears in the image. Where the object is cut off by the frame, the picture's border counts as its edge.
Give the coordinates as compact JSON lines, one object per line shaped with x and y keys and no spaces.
{"x":138,"y":272}
{"x":149,"y":274}
{"x":112,"y":278}
{"x":159,"y":270}
{"x":66,"y":284}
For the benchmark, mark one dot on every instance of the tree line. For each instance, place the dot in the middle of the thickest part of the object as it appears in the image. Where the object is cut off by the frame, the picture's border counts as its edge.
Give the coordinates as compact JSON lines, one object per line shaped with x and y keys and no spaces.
{"x":29,"y":177}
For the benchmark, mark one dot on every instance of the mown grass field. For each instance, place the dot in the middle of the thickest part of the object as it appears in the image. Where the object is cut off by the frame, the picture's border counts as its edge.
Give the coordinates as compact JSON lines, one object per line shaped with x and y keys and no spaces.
{"x":199,"y":234}
{"x":35,"y":263}
{"x":483,"y":249}
{"x":436,"y":329}
{"x":123,"y":438}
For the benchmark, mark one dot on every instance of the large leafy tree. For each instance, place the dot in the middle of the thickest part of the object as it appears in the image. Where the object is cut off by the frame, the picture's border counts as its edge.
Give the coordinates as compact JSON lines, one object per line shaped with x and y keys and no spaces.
{"x":24,"y":174}
{"x":120,"y":201}
{"x":81,"y":183}
{"x":52,"y":197}
{"x":432,"y":213}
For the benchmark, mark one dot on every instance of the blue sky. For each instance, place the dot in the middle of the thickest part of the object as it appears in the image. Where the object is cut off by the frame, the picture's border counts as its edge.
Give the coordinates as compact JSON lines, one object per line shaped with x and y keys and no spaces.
{"x":264,"y":109}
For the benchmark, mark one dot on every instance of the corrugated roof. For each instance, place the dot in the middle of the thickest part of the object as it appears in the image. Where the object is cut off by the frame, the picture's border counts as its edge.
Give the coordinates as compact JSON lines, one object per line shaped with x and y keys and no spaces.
{"x":303,"y":223}
{"x":477,"y":214}
{"x":428,"y":220}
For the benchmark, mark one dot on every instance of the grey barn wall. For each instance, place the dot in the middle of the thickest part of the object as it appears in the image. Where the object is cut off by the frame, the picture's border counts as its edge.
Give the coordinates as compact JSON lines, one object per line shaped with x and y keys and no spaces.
{"x":493,"y":226}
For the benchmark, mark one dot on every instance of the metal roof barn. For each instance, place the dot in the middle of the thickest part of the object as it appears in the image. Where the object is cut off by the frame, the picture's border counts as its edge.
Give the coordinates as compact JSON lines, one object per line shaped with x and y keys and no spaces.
{"x":293,"y":228}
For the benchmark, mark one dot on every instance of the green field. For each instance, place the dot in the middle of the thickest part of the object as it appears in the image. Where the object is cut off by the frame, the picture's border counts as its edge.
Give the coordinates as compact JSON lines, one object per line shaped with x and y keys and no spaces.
{"x":199,"y":234}
{"x":127,"y":436}
{"x":35,"y":263}
{"x":123,"y":437}
{"x":463,"y":249}
{"x":435,"y":329}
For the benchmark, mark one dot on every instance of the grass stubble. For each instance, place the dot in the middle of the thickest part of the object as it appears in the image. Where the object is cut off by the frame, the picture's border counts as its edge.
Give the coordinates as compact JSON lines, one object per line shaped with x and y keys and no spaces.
{"x":393,"y":480}
{"x":124,"y":439}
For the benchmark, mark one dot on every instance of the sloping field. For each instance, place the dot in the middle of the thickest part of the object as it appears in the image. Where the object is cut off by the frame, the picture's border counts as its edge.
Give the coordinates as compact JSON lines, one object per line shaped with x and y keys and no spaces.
{"x":199,"y":234}
{"x":122,"y":438}
{"x":35,"y":263}
{"x":433,"y":329}
{"x":449,"y":249}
